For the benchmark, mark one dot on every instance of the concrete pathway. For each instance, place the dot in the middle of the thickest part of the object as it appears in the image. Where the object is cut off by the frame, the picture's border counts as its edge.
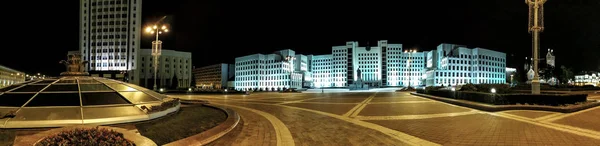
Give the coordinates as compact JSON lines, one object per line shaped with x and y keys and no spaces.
{"x":393,"y":118}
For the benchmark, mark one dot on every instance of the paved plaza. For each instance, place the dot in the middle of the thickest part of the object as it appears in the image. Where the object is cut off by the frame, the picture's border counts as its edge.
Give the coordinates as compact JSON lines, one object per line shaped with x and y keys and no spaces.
{"x":393,"y":118}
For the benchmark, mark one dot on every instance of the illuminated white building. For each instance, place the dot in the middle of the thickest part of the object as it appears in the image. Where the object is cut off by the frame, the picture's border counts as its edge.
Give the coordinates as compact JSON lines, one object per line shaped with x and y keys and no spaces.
{"x":267,"y":72}
{"x":174,"y":67}
{"x":456,"y":65}
{"x":10,"y":76}
{"x":588,"y":79}
{"x":110,"y":35}
{"x":379,"y":66}
{"x":322,"y":75}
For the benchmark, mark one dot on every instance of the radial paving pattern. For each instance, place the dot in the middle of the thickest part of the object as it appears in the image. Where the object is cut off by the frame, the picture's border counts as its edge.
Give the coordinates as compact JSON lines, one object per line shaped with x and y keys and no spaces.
{"x":76,"y":100}
{"x":394,"y":118}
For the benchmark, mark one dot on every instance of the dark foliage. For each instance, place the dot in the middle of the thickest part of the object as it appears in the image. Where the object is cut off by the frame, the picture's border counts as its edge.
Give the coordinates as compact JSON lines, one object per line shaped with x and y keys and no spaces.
{"x":506,"y":99}
{"x":87,"y":137}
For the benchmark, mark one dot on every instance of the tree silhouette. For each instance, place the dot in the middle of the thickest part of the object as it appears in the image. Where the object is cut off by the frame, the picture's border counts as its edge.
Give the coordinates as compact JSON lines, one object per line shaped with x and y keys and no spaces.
{"x":193,"y":84}
{"x":174,"y":82}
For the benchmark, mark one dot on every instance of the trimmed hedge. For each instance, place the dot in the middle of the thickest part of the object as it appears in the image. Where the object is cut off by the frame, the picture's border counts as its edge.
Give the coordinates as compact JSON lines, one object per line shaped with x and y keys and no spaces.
{"x":509,"y":99}
{"x":558,"y":87}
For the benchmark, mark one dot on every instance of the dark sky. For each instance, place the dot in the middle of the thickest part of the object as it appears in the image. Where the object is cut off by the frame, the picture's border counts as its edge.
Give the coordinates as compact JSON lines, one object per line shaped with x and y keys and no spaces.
{"x":231,"y":29}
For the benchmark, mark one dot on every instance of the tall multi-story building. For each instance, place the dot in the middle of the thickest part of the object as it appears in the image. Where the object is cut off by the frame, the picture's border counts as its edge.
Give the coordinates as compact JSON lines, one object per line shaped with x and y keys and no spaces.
{"x":378,"y":65}
{"x":10,"y":76}
{"x":213,"y":76}
{"x":174,"y":69}
{"x":322,"y":75}
{"x":375,"y":66}
{"x":451,"y":65}
{"x":110,"y":36}
{"x":267,"y":72}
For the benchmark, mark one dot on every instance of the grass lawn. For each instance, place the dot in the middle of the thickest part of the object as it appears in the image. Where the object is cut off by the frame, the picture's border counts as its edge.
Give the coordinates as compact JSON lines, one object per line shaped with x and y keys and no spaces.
{"x":186,"y":122}
{"x":7,"y":137}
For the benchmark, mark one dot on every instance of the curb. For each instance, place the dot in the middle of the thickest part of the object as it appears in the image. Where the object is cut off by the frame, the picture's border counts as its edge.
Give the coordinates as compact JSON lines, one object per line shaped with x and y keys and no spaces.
{"x":212,"y":134}
{"x":496,"y":108}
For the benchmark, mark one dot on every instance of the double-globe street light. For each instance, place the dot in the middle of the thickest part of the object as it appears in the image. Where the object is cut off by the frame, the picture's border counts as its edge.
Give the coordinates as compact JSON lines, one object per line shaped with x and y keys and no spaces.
{"x":156,"y":46}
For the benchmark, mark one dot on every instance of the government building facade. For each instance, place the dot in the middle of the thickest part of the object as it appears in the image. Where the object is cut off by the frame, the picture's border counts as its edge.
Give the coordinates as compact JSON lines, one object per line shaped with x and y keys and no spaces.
{"x":380,"y":65}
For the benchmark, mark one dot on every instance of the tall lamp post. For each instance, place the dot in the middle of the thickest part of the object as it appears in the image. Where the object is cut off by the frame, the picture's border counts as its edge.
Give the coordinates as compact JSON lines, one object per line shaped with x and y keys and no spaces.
{"x":536,"y":25}
{"x":409,"y":52}
{"x":156,"y":47}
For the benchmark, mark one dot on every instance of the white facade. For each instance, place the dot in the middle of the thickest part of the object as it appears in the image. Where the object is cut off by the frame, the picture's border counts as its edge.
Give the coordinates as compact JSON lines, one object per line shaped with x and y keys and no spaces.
{"x":110,"y":34}
{"x":456,"y":65}
{"x":588,"y":79}
{"x":377,"y":66}
{"x":267,"y":72}
{"x":172,"y":65}
{"x":322,"y":71}
{"x":10,"y":76}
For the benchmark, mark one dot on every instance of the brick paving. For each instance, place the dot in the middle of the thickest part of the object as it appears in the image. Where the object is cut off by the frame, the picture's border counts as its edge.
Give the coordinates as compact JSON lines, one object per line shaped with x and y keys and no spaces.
{"x":530,"y":114}
{"x":447,"y":127}
{"x":338,"y":109}
{"x":312,"y":129}
{"x":409,"y":109}
{"x":252,"y":130}
{"x":587,"y":120}
{"x":338,"y":100}
{"x":483,"y":129}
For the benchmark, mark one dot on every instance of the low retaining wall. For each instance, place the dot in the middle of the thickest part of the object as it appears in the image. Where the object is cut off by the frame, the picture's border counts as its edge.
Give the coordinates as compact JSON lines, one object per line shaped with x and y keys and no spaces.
{"x":212,"y":134}
{"x":495,"y":108}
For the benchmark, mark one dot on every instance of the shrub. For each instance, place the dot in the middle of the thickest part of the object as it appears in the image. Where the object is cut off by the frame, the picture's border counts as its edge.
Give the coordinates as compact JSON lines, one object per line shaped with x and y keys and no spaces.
{"x":501,"y":98}
{"x":85,"y":137}
{"x":468,"y":87}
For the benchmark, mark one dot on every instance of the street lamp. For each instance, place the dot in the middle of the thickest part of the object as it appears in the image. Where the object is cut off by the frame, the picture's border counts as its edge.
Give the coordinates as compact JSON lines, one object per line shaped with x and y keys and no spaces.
{"x":536,"y":25}
{"x":156,"y":47}
{"x":409,"y":52}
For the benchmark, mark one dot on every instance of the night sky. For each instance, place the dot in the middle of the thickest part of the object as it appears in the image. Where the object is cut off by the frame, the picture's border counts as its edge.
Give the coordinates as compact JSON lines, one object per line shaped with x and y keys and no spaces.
{"x":229,"y":29}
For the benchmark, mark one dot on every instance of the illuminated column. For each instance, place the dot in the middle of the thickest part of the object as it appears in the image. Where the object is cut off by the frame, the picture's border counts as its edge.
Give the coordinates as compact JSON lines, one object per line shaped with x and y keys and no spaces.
{"x":537,"y":18}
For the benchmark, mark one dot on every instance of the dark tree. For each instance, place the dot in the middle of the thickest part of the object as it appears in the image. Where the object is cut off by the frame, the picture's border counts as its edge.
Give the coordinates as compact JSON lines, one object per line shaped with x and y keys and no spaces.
{"x":174,"y":82}
{"x":193,"y":84}
{"x":567,"y":73}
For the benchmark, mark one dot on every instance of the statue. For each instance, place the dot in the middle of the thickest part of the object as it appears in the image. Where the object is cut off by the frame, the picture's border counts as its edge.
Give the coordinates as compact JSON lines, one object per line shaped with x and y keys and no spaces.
{"x":358,"y":73}
{"x":74,"y":65}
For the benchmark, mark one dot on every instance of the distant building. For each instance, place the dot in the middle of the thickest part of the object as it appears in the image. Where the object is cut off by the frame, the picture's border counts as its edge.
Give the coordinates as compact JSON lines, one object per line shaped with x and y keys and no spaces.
{"x":10,"y":76}
{"x":174,"y":67}
{"x":452,"y":65}
{"x":109,"y":35}
{"x":213,"y":76}
{"x":382,"y":65}
{"x":588,"y":79}
{"x":267,"y":72}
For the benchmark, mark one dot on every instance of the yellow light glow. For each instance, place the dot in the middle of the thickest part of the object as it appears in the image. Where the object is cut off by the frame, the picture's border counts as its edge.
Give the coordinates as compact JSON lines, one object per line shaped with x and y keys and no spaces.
{"x":154,"y":27}
{"x":414,"y":51}
{"x":151,"y":32}
{"x":166,"y":30}
{"x":164,"y":27}
{"x":160,"y":32}
{"x":148,"y":29}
